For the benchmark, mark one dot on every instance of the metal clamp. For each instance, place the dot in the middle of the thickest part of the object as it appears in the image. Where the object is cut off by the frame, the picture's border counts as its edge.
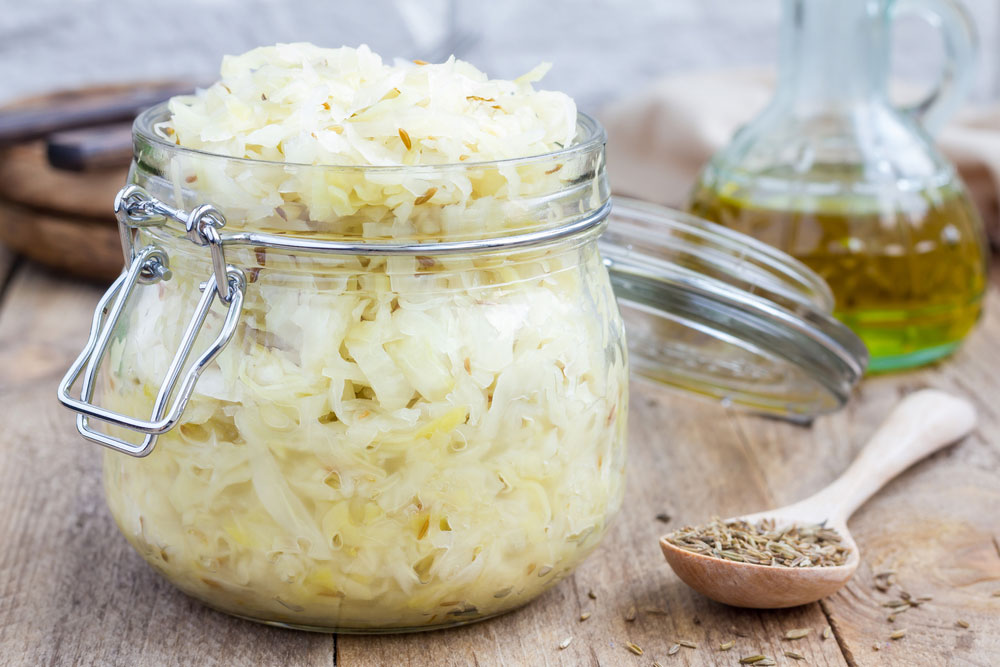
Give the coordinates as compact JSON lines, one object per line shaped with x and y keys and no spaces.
{"x":136,"y":208}
{"x":149,"y":265}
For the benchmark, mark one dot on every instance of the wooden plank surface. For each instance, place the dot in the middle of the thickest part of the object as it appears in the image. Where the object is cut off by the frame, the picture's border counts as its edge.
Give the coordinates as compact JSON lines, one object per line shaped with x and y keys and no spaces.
{"x":937,"y":526}
{"x":73,"y":592}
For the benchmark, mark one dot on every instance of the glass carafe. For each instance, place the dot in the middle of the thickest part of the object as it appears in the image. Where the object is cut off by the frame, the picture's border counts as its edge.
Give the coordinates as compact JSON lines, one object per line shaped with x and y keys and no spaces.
{"x":836,"y":175}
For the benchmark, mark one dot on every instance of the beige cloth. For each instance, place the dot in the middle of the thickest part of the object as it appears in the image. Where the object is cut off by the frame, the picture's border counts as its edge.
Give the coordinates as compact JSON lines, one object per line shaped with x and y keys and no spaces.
{"x":659,"y":139}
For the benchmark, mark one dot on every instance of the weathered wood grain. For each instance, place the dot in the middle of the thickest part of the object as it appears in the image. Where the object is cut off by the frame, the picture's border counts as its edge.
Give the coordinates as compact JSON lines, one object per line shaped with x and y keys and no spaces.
{"x":683,"y":459}
{"x":937,"y":525}
{"x":73,"y":592}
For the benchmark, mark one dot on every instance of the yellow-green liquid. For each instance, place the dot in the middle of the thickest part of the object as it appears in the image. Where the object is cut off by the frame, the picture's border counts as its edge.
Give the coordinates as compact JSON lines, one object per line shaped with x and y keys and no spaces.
{"x":909,"y":281}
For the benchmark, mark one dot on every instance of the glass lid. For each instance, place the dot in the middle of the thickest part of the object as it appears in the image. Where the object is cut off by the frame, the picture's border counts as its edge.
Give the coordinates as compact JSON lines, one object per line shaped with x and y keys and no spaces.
{"x":716,"y":313}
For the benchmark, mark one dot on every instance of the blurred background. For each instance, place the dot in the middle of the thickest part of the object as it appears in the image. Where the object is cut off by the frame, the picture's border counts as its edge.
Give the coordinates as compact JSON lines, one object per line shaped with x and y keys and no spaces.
{"x":671,"y":81}
{"x":601,"y":49}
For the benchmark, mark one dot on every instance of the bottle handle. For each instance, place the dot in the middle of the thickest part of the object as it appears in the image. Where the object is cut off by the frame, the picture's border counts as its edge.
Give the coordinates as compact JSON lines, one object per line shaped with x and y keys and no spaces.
{"x":961,"y":45}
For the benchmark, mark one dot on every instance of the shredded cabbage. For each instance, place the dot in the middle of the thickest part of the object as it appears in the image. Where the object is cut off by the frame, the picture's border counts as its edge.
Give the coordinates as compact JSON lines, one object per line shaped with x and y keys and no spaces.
{"x":297,"y":103}
{"x":401,"y":442}
{"x":308,"y":105}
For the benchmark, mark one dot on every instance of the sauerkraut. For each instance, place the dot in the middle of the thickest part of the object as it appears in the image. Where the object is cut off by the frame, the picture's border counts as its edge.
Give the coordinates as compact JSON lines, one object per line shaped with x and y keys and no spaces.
{"x":388,"y":442}
{"x":303,"y":104}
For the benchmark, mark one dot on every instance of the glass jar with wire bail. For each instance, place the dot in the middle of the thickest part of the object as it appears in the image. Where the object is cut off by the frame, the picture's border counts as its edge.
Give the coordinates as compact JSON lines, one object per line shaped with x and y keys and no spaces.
{"x":323,"y":413}
{"x":412,"y":424}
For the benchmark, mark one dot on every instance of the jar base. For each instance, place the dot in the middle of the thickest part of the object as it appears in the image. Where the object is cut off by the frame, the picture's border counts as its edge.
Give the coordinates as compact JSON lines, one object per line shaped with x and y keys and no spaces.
{"x":365,"y":631}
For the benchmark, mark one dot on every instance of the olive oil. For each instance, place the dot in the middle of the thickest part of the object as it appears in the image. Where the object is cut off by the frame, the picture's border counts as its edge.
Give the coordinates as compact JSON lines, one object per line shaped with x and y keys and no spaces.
{"x":907,"y":271}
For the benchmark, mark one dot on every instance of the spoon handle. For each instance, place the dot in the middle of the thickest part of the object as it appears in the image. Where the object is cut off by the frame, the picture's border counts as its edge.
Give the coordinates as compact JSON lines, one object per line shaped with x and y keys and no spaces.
{"x":921,"y":424}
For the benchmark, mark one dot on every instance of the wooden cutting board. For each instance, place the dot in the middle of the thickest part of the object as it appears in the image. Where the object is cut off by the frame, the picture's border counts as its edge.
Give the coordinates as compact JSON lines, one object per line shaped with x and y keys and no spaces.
{"x":64,"y":219}
{"x":59,"y":218}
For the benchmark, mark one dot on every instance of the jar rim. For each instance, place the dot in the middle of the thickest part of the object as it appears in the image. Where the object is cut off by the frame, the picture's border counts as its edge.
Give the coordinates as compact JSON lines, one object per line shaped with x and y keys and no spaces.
{"x":591,"y":222}
{"x":593,"y":136}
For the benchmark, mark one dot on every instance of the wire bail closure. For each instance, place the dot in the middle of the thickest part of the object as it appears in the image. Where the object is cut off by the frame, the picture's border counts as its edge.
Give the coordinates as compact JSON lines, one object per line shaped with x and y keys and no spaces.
{"x":134,"y":209}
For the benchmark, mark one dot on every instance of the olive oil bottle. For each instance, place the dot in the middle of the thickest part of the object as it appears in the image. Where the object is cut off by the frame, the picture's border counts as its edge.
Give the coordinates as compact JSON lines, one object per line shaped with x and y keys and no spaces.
{"x":835,"y":175}
{"x":909,"y":280}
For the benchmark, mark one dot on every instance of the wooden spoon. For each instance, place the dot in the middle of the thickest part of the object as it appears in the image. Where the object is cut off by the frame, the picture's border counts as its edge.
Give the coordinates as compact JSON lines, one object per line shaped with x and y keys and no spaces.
{"x":921,"y":424}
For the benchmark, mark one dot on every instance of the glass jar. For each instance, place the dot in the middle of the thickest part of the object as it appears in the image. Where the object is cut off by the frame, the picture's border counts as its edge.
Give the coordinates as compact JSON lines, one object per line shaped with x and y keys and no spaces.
{"x":365,"y":418}
{"x":834,"y":174}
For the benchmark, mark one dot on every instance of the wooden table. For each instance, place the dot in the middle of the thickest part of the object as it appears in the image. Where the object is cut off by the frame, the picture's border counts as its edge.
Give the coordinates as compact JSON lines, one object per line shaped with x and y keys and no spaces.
{"x":73,"y":592}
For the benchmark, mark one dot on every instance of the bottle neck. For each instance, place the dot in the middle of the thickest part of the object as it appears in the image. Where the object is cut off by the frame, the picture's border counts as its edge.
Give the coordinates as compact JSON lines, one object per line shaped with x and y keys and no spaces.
{"x":834,"y":54}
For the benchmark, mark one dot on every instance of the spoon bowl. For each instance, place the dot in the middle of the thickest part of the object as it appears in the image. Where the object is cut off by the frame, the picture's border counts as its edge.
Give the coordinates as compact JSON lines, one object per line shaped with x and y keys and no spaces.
{"x":761,"y":586}
{"x":921,"y":424}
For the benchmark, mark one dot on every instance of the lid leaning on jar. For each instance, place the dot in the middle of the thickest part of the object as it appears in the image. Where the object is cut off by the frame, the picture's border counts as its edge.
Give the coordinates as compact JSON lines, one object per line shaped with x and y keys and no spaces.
{"x":707,"y":310}
{"x":714,"y":312}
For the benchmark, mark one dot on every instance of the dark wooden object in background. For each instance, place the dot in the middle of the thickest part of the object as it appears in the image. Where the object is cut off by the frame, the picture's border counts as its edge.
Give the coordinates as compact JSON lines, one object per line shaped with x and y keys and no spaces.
{"x":64,"y":218}
{"x":72,"y":592}
{"x":91,"y":148}
{"x":60,"y":218}
{"x":38,"y":117}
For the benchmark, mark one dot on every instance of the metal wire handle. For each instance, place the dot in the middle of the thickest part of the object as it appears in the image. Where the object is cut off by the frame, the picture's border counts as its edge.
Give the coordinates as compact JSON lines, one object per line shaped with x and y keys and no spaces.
{"x":149,"y":265}
{"x":135,"y":208}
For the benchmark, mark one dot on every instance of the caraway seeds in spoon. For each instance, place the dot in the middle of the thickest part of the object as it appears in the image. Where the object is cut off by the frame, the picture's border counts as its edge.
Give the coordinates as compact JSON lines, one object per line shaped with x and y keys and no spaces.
{"x":762,"y":544}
